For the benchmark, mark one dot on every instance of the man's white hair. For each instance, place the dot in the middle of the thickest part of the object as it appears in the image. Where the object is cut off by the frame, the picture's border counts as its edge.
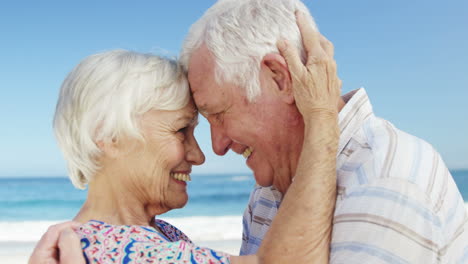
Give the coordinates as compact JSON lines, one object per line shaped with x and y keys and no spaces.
{"x":103,"y":97}
{"x":239,"y":33}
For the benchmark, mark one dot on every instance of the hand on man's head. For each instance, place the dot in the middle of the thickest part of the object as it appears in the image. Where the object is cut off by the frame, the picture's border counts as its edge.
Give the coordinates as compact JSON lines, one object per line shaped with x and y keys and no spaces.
{"x":316,"y":85}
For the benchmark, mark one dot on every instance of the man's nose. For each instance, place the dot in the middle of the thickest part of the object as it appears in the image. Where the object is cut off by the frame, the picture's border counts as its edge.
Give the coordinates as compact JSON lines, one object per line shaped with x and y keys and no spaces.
{"x":219,"y":140}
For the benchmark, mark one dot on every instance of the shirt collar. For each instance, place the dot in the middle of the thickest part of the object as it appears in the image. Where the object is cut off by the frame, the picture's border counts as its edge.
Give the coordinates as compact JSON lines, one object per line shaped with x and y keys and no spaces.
{"x":356,"y":110}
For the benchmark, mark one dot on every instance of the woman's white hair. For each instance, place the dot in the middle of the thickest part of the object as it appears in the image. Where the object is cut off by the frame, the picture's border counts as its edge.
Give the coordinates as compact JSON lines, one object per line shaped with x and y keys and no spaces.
{"x":102,"y":99}
{"x":239,"y":33}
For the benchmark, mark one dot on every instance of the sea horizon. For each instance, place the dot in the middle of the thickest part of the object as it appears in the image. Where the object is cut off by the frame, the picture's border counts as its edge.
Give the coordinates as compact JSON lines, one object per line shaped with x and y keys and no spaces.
{"x":29,"y":205}
{"x":4,"y":176}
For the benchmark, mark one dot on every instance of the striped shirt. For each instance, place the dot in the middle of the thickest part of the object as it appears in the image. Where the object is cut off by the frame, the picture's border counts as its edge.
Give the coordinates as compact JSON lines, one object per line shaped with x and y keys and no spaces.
{"x":396,"y":200}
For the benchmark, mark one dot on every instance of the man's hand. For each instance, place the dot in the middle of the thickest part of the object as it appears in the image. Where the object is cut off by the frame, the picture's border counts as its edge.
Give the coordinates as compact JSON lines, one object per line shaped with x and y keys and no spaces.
{"x":316,"y":85}
{"x":59,"y":244}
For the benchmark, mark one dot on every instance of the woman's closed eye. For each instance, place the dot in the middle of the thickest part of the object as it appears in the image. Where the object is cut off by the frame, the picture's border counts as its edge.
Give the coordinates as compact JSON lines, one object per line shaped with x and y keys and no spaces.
{"x":183,"y":130}
{"x":186,"y":128}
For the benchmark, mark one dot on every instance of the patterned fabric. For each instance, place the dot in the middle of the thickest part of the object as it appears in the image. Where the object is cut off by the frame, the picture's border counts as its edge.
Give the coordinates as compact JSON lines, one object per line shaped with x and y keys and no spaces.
{"x":103,"y":243}
{"x":396,"y":203}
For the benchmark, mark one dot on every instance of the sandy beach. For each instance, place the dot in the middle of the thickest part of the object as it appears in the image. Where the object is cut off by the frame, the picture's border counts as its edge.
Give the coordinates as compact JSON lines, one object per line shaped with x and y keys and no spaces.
{"x":15,"y":252}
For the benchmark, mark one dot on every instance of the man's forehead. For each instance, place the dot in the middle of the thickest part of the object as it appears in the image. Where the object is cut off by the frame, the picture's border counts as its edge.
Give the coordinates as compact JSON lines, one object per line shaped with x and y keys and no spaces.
{"x":200,"y":102}
{"x":201,"y":64}
{"x":198,"y":77}
{"x":201,"y":80}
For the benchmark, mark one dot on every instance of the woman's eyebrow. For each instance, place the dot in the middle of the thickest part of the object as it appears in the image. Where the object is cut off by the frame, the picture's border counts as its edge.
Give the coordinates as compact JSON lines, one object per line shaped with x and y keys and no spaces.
{"x":194,"y":120}
{"x":191,"y":119}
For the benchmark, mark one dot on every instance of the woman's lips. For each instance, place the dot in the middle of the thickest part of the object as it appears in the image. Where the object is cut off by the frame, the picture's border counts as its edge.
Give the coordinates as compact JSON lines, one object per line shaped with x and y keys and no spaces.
{"x":181,"y":177}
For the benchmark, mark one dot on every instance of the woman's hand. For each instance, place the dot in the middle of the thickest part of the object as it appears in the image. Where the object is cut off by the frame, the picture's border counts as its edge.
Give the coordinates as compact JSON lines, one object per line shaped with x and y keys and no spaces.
{"x":316,"y":86}
{"x":59,"y":244}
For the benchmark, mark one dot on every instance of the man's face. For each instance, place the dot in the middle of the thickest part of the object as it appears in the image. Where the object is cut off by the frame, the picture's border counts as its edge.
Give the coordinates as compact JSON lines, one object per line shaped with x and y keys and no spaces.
{"x":270,"y":128}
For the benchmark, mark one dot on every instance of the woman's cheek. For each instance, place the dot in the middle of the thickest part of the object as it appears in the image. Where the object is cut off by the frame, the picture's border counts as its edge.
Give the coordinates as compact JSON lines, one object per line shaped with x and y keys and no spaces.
{"x":173,"y":154}
{"x":179,"y":153}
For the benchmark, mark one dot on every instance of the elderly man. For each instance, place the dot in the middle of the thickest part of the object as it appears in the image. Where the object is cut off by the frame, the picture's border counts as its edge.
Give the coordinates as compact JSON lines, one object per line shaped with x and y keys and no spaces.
{"x":396,"y":203}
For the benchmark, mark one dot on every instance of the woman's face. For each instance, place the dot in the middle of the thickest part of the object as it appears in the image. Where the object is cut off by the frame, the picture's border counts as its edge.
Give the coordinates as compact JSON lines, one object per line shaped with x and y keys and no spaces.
{"x":168,"y":152}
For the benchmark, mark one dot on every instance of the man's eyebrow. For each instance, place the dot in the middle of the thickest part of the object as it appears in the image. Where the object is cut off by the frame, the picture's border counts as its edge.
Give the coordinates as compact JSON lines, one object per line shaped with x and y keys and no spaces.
{"x":202,"y":109}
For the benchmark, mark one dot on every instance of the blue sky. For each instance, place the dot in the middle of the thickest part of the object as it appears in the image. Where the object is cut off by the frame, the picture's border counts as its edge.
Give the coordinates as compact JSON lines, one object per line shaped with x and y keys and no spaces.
{"x":411,"y":56}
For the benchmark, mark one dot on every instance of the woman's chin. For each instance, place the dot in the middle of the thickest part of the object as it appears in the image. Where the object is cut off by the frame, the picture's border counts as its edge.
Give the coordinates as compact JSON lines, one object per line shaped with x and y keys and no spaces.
{"x":183,"y":203}
{"x":180,"y":201}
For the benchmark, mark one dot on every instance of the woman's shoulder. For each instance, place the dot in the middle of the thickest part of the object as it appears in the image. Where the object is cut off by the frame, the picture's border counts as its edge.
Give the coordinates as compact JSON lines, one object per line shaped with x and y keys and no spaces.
{"x":107,"y":243}
{"x":98,"y":230}
{"x":171,"y":232}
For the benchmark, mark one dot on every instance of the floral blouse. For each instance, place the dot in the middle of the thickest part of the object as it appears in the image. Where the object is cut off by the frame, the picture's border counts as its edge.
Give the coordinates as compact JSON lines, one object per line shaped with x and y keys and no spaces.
{"x":104,"y":243}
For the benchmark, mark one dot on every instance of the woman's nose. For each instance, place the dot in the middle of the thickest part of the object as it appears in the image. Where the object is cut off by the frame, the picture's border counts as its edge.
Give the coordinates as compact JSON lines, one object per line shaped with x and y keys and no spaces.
{"x":194,"y":154}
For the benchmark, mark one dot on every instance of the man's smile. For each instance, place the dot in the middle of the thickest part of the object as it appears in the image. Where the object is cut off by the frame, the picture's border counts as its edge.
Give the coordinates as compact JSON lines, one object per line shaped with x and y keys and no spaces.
{"x":247,"y":152}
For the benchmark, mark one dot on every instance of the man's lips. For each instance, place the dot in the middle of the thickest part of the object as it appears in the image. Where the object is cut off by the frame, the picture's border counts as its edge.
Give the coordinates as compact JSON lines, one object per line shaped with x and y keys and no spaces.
{"x":247,"y":152}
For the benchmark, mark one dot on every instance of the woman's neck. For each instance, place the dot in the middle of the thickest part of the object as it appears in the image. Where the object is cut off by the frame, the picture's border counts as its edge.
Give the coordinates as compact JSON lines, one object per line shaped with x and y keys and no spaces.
{"x":115,"y":203}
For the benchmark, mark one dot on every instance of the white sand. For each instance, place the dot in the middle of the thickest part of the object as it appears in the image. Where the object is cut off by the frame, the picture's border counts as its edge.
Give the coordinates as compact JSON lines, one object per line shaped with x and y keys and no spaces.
{"x":228,"y":246}
{"x":15,"y":252}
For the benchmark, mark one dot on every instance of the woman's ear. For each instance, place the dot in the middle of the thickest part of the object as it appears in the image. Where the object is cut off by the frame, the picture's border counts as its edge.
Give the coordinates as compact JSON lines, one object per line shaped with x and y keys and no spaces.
{"x":277,"y":67}
{"x":110,"y":148}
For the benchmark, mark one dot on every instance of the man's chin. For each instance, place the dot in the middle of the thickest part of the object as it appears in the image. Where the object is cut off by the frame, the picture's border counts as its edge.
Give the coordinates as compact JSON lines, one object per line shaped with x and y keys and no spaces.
{"x":267,"y":181}
{"x":263,"y":180}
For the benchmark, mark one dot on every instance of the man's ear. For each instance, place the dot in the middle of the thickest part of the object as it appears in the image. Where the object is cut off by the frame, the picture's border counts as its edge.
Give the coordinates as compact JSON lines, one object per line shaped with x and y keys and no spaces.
{"x":278,"y":68}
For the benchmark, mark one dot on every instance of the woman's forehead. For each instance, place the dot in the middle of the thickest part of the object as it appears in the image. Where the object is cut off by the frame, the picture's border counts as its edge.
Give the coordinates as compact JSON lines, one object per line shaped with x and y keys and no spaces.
{"x":189,"y":111}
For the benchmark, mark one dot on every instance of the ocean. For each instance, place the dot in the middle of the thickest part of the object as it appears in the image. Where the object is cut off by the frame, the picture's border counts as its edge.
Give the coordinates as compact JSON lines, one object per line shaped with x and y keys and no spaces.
{"x":29,"y":205}
{"x":214,"y":210}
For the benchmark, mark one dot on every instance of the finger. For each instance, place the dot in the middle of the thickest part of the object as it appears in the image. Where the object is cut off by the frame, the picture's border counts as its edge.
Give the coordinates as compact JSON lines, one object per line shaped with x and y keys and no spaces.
{"x":46,"y":250}
{"x":339,"y":83}
{"x":327,"y":46}
{"x":291,"y":55}
{"x":331,"y":76}
{"x":50,"y":238}
{"x":70,"y":248}
{"x":34,"y":259}
{"x":310,"y":39}
{"x":39,"y":257}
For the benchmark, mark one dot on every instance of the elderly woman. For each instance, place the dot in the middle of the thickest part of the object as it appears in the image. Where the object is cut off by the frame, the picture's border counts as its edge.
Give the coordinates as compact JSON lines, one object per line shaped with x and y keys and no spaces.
{"x":125,"y":124}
